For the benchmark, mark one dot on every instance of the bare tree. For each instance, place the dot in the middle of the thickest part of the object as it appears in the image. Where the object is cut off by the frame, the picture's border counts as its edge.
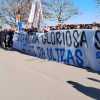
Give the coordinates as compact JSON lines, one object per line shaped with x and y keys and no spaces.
{"x":97,"y":2}
{"x":61,"y":10}
{"x":11,"y":8}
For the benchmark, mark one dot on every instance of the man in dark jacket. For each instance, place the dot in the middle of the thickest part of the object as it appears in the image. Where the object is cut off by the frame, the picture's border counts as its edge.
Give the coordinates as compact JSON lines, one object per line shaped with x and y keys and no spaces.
{"x":10,"y":39}
{"x":2,"y":38}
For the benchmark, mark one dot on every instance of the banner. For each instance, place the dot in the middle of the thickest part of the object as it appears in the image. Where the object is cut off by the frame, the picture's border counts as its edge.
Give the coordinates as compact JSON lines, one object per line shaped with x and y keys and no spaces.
{"x":36,"y":17}
{"x":74,"y":47}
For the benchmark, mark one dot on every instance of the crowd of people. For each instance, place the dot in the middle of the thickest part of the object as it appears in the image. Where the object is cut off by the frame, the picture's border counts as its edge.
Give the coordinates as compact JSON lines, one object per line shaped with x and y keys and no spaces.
{"x":72,"y":26}
{"x":63,"y":27}
{"x":76,"y":26}
{"x":6,"y":38}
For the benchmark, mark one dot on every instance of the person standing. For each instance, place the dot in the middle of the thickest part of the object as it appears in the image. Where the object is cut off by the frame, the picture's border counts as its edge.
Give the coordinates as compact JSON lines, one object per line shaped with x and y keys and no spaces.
{"x":10,"y":39}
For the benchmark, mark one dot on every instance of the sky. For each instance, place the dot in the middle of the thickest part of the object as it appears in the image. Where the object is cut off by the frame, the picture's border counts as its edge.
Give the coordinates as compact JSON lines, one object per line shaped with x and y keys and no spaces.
{"x":87,"y":9}
{"x":86,"y":6}
{"x":87,"y":12}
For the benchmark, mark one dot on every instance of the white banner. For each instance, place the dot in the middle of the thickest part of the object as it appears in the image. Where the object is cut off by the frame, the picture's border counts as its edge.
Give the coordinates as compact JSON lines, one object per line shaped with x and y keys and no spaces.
{"x":74,"y":47}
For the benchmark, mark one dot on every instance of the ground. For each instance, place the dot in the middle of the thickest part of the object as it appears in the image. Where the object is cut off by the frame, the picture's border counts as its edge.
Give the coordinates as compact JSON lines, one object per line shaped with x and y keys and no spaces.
{"x":24,"y":77}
